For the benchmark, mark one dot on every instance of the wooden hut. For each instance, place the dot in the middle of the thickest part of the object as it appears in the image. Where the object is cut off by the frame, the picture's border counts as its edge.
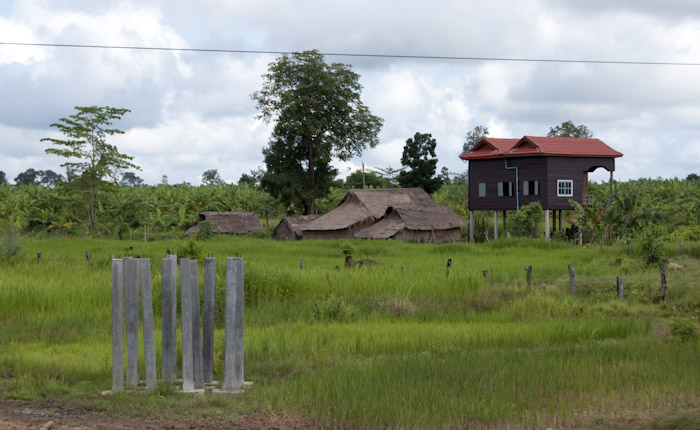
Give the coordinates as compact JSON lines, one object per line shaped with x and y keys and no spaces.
{"x":229,"y":223}
{"x":436,"y":224}
{"x":360,"y":209}
{"x":505,"y":174}
{"x":290,"y":227}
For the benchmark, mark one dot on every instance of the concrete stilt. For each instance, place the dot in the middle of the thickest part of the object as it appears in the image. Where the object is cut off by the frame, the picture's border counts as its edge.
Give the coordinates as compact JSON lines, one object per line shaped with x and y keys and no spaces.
{"x":186,"y":306}
{"x":495,"y":225}
{"x":546,"y":224}
{"x":169,"y":318}
{"x":196,"y":328}
{"x":131,"y":300}
{"x":471,"y":226}
{"x":233,"y":359}
{"x":117,"y":325}
{"x":208,"y":320}
{"x":149,"y":343}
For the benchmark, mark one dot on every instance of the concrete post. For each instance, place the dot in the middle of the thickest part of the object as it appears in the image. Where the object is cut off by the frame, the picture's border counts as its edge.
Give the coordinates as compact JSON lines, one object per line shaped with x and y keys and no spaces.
{"x":546,"y":224}
{"x":196,"y":328}
{"x":169,"y":318}
{"x":495,"y":225}
{"x":117,"y":325}
{"x":186,"y":306}
{"x":131,"y":300}
{"x":233,"y":359}
{"x":208,"y":321}
{"x":471,"y":226}
{"x":149,"y":343}
{"x":620,"y":288}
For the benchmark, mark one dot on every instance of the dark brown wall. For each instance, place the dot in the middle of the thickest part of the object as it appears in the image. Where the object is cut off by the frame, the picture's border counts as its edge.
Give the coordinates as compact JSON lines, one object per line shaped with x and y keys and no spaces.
{"x":546,"y":170}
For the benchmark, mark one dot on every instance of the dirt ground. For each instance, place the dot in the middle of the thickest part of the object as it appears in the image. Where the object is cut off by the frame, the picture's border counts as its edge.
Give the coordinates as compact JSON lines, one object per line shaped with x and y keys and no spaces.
{"x":25,"y":415}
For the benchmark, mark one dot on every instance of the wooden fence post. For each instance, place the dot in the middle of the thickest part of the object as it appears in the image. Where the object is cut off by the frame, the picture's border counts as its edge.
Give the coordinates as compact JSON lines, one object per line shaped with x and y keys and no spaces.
{"x":301,"y":265}
{"x":572,"y":278}
{"x":528,"y":275}
{"x":629,"y":247}
{"x":620,"y":288}
{"x":447,"y":270}
{"x":662,"y":268}
{"x":485,"y":273}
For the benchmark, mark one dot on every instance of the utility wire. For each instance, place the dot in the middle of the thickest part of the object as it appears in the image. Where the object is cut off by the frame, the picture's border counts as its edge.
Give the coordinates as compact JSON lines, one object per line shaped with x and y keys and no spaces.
{"x":339,"y":54}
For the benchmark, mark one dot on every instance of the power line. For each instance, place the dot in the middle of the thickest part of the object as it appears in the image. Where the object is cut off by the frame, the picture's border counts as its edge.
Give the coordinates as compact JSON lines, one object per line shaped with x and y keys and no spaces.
{"x":356,"y":55}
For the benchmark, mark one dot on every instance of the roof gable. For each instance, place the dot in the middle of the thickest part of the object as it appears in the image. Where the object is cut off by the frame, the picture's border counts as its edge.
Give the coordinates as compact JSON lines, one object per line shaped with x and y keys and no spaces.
{"x":529,"y":146}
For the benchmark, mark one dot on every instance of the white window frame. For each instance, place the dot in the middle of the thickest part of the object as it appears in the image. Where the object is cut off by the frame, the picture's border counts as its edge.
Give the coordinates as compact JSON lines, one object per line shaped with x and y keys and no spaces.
{"x":526,"y":188}
{"x":564,"y":185}
{"x":482,"y":189}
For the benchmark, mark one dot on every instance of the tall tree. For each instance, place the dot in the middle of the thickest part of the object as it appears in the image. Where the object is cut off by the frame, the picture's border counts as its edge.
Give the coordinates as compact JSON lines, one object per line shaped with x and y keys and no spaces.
{"x":318,"y":115}
{"x":474,"y":136}
{"x":421,"y":163}
{"x":94,"y":162}
{"x":211,"y":177}
{"x":569,"y":129}
{"x":3,"y":178}
{"x":129,"y":179}
{"x":50,"y":179}
{"x":29,"y":176}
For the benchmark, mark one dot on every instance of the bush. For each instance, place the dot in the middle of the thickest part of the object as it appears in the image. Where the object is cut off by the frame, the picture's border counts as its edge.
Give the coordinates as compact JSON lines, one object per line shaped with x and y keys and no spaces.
{"x":683,"y":329}
{"x":205,"y":232}
{"x":190,"y":250}
{"x":333,"y":309}
{"x":10,"y":241}
{"x":522,"y":222}
{"x":652,"y":247}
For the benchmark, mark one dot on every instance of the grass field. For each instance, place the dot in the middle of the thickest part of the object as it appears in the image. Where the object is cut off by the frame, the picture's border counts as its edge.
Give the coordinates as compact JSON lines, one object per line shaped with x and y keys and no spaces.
{"x":397,"y":344}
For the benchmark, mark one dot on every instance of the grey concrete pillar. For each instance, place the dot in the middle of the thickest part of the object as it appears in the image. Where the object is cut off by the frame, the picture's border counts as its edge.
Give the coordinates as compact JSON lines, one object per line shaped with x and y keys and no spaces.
{"x":186,"y":306}
{"x":169,"y":318}
{"x":471,"y":226}
{"x":117,"y":325}
{"x":495,"y":225}
{"x":546,"y":224}
{"x":131,"y":301}
{"x":149,"y":342}
{"x":233,"y":358}
{"x":196,"y":328}
{"x":208,"y":320}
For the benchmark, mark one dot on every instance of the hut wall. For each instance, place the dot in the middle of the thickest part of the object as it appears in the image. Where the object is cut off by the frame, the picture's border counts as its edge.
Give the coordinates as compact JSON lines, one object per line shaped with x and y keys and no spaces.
{"x":346,"y":233}
{"x":425,"y":236}
{"x":283,"y":232}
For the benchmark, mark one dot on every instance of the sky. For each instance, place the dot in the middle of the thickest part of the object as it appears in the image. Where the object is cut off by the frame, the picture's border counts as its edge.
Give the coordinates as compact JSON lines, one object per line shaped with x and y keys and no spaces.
{"x":192,"y":111}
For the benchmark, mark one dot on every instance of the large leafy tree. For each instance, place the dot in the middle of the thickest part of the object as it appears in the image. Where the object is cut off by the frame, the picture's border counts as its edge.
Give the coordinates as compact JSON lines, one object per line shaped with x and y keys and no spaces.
{"x":318,"y":115}
{"x":94,"y":163}
{"x":569,"y":129}
{"x":420,"y":163}
{"x":211,"y":177}
{"x":3,"y":178}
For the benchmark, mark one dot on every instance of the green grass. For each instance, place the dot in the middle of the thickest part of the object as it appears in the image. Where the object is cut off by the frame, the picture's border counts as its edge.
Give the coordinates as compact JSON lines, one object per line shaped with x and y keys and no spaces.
{"x":395,"y":344}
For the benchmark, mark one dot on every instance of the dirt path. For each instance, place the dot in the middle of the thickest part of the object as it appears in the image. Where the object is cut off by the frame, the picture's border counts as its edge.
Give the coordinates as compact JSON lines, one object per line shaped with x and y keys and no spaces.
{"x":36,"y":415}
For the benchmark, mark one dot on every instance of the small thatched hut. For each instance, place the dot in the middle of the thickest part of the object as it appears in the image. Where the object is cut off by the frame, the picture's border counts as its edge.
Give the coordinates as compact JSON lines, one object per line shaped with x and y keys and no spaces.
{"x":416,"y":224}
{"x":229,"y":223}
{"x":360,"y":209}
{"x":290,"y":227}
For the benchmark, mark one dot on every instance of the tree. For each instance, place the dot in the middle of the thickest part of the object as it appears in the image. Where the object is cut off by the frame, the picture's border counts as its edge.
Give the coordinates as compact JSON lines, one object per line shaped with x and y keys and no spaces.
{"x":372,"y":180}
{"x":474,"y":136}
{"x":129,"y":179}
{"x":95,"y":161}
{"x":50,"y":179}
{"x":569,"y":129}
{"x":164,"y":180}
{"x":419,"y":156}
{"x":29,"y":176}
{"x":211,"y":177}
{"x":3,"y":178}
{"x":318,"y":114}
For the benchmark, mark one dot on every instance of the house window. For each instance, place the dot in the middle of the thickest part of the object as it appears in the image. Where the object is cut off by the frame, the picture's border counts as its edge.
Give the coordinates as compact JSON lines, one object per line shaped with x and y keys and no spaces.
{"x":482,"y":189}
{"x":505,"y":189}
{"x":565,"y":188}
{"x":531,"y":188}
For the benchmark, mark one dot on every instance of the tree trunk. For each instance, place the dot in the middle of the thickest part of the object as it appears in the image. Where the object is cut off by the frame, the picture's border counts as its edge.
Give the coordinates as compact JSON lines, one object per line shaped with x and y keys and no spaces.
{"x":312,"y":179}
{"x":92,"y":210}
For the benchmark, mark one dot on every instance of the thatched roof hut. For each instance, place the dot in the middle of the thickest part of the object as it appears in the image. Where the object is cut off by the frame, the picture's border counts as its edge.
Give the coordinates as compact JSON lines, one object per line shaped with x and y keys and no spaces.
{"x":436,"y":224}
{"x":229,"y":223}
{"x":360,"y":209}
{"x":290,"y":227}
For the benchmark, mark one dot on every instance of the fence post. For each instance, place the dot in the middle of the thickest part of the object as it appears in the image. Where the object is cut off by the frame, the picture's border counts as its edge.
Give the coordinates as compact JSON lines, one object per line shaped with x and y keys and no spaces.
{"x":186,"y":306}
{"x":301,"y":265}
{"x":572,"y":278}
{"x":131,"y":301}
{"x":117,"y":325}
{"x":662,"y":268}
{"x":233,"y":358}
{"x":169,"y":318}
{"x":447,"y":270}
{"x":528,"y":275}
{"x":620,"y":288}
{"x":149,"y":343}
{"x":196,"y":327}
{"x":485,"y":273}
{"x":208,"y":325}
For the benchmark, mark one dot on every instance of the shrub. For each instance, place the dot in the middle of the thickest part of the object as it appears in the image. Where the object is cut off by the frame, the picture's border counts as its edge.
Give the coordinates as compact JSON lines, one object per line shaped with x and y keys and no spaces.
{"x":683,"y":328}
{"x":333,"y":308}
{"x":10,"y":241}
{"x":205,"y":232}
{"x":652,"y":247}
{"x":522,"y":222}
{"x":190,"y":250}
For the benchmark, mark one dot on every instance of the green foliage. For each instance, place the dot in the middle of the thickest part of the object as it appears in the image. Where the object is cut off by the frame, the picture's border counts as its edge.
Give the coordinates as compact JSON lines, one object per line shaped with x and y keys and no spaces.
{"x":189,"y":250}
{"x":521,"y":223}
{"x":331,"y":200}
{"x":474,"y":136}
{"x":347,"y":248}
{"x":318,"y":115}
{"x":569,"y":129}
{"x":371,"y":180}
{"x":211,"y":177}
{"x":420,"y":163}
{"x":10,"y":241}
{"x":652,"y":246}
{"x":684,"y":328}
{"x":205,"y":232}
{"x":455,"y":195}
{"x":333,"y":309}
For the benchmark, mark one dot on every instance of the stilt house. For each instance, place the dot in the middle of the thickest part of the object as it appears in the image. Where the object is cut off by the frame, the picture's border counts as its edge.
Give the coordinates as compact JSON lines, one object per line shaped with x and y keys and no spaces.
{"x":505,"y":174}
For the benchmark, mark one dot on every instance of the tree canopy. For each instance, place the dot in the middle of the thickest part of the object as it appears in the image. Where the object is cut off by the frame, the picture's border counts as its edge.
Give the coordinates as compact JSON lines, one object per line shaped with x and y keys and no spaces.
{"x":211,"y":177}
{"x":421,"y":163}
{"x":474,"y":136}
{"x":318,"y":115}
{"x":569,"y":129}
{"x":92,"y":161}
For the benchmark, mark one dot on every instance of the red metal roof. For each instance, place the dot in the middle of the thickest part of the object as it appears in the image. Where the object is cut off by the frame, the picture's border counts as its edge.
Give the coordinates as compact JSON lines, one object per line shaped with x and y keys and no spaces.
{"x":530,"y":146}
